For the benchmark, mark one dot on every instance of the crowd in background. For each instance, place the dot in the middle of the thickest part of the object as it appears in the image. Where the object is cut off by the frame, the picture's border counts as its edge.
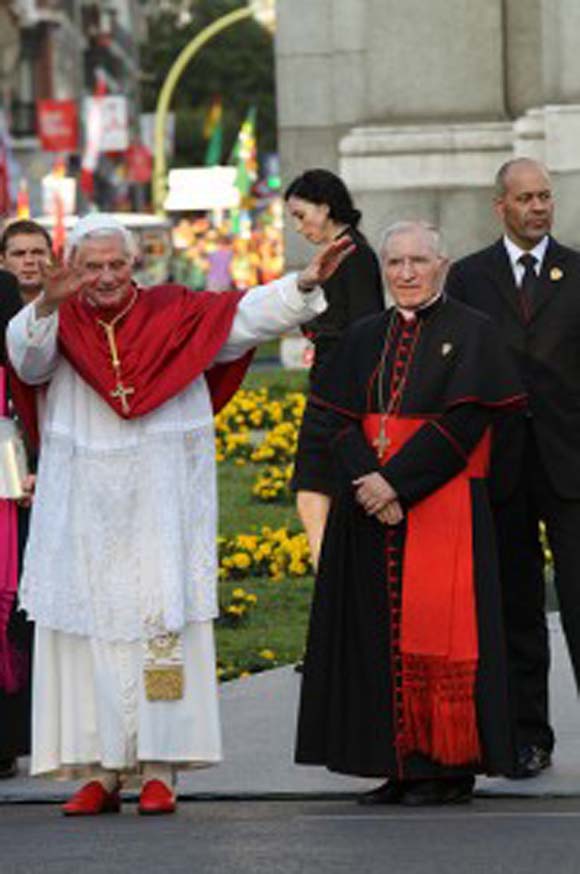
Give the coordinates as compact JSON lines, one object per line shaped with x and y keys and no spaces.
{"x":215,"y":258}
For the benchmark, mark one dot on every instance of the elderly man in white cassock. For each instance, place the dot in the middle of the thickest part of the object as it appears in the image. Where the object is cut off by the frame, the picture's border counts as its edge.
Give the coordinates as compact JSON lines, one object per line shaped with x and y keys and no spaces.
{"x":121,"y":566}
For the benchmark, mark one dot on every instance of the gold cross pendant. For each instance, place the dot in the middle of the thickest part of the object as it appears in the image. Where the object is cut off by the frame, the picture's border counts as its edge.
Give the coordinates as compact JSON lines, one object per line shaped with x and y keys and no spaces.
{"x":382,"y":442}
{"x":121,"y":392}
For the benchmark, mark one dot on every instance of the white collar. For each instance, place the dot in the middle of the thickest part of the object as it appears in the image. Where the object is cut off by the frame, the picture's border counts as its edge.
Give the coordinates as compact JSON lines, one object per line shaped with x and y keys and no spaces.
{"x":515,"y":252}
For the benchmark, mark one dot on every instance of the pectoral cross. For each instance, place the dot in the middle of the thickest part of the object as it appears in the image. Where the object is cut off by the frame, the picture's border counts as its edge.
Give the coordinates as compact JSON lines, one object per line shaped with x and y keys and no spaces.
{"x":121,"y":392}
{"x":382,"y":442}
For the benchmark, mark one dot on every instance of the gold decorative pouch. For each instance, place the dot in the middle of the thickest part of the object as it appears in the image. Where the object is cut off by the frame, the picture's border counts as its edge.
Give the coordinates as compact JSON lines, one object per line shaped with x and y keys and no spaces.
{"x":163,"y":670}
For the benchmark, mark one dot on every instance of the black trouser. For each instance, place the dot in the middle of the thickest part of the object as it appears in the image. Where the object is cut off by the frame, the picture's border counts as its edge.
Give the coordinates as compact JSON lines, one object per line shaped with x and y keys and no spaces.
{"x":522,"y":573}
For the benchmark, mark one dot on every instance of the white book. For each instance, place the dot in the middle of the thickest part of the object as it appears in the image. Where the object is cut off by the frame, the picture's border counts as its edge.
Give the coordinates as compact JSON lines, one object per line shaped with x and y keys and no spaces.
{"x":13,"y":463}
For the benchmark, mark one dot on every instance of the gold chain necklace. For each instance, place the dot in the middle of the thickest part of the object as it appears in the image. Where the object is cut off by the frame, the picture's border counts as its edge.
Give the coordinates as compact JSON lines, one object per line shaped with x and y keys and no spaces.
{"x":120,"y":391}
{"x":383,"y":442}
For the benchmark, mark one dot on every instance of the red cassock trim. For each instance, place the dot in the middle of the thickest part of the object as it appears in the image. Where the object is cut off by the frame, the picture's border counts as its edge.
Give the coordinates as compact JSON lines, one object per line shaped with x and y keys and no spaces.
{"x":439,"y":644}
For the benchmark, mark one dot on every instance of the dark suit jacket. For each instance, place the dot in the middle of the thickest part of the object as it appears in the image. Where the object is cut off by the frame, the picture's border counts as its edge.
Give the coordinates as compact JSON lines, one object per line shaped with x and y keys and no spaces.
{"x":10,"y":303}
{"x":547,"y":354}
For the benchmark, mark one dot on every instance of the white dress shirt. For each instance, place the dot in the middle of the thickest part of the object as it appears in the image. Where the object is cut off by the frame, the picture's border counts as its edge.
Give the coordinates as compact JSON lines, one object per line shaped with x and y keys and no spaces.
{"x":515,"y":253}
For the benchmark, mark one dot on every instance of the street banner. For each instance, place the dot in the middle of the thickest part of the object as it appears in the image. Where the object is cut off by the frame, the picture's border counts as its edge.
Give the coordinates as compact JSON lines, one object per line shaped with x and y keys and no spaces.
{"x":58,"y":125}
{"x":202,"y":188}
{"x":113,"y":113}
{"x":139,"y":163}
{"x":94,"y":122}
{"x":58,"y":194}
{"x":147,"y":128}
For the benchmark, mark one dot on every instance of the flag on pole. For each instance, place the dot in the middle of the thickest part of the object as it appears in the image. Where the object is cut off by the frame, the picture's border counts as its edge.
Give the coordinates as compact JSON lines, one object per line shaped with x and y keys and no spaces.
{"x":94,"y":124}
{"x":23,"y":201}
{"x":245,"y":155}
{"x":4,"y":181}
{"x":213,"y":132}
{"x":5,"y":193}
{"x":59,"y":229}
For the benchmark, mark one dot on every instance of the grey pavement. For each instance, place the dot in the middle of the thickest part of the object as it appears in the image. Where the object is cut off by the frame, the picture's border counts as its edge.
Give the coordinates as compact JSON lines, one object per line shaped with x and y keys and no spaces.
{"x":490,"y":836}
{"x":259,"y":717}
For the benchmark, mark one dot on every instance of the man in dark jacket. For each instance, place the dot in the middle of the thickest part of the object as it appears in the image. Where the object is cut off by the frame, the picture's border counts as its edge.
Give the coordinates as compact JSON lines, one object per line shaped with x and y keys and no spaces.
{"x":530,"y":286}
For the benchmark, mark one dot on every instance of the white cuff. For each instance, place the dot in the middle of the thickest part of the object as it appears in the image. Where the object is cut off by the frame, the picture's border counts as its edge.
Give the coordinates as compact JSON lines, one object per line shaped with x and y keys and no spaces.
{"x":298,"y":301}
{"x":38,"y":328}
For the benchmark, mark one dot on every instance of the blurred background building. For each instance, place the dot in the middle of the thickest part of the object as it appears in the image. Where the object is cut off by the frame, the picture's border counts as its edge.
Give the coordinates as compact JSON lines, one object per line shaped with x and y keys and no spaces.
{"x":50,"y":54}
{"x":417,"y":103}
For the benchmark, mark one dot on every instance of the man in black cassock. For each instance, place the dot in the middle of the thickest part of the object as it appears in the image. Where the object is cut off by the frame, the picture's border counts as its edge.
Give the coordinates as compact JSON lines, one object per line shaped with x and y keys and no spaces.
{"x":404,"y":675}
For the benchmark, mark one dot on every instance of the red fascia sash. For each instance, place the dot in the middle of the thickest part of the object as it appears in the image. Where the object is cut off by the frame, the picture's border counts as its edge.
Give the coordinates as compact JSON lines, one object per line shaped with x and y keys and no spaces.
{"x":439,"y":643}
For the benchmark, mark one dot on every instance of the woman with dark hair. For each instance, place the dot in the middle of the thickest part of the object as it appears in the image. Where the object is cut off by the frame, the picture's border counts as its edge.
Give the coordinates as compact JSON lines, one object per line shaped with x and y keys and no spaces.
{"x":322,"y":209}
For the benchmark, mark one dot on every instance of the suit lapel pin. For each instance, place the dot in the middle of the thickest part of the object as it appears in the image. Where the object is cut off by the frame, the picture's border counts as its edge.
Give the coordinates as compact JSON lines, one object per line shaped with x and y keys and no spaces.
{"x":556,"y":274}
{"x":446,"y":348}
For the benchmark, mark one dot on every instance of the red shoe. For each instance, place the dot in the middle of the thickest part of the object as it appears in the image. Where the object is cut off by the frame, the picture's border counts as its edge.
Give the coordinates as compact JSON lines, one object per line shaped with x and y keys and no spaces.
{"x":156,"y":798}
{"x":92,"y":799}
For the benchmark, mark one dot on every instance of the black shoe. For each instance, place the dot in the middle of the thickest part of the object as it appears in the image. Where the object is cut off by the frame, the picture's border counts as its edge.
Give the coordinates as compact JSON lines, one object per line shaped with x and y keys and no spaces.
{"x":452,"y":790}
{"x":390,"y":792}
{"x":8,"y":768}
{"x":530,"y":761}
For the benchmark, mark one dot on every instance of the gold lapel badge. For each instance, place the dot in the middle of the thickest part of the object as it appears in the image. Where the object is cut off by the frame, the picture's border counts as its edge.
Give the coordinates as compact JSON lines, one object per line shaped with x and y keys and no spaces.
{"x":446,"y":348}
{"x":556,"y":274}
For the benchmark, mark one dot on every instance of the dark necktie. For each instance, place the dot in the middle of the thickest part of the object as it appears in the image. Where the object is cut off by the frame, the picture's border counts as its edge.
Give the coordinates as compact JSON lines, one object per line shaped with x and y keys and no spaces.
{"x":527,"y":285}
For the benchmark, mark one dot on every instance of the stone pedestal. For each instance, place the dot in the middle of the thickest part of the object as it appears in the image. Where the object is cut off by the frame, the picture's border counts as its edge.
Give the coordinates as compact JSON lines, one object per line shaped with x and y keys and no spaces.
{"x":417,"y":104}
{"x":439,"y":173}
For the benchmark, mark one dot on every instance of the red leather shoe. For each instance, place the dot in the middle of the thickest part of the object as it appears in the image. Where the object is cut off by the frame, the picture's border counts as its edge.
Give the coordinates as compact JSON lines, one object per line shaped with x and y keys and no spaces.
{"x":91,"y":800}
{"x":156,"y":798}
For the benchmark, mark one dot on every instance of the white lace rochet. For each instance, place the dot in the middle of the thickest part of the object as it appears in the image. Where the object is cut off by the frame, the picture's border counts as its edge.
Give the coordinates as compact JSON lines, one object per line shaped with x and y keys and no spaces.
{"x":125,"y":523}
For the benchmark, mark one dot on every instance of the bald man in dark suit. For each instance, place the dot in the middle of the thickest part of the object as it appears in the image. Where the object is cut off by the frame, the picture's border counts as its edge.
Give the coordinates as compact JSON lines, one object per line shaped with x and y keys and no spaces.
{"x":530,"y":286}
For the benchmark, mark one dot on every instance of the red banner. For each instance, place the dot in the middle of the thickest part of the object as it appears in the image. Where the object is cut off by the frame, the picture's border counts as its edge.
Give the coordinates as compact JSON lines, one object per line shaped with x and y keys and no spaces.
{"x":58,"y":125}
{"x":139,"y":163}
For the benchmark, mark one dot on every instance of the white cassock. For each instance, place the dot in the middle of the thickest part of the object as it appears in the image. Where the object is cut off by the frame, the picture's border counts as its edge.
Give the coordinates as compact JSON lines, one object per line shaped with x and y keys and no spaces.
{"x":123,"y":529}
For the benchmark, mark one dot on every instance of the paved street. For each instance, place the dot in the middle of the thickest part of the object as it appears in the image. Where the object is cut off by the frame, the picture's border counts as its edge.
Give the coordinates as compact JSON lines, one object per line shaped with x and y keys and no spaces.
{"x":492,"y":837}
{"x":258,"y":812}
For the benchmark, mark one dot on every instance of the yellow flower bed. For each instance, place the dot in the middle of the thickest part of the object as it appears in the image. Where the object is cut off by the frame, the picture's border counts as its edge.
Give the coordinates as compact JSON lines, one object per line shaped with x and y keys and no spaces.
{"x":251,"y":411}
{"x":273,"y":484}
{"x":255,"y":664}
{"x":278,"y":446}
{"x":236,"y":611}
{"x":271,"y":553}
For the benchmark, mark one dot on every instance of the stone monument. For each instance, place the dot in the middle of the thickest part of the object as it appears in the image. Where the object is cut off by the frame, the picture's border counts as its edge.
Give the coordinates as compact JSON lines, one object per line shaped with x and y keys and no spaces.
{"x":417,"y":103}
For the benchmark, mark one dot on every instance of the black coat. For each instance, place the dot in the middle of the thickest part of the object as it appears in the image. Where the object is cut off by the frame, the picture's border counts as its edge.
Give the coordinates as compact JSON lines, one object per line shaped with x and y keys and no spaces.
{"x":458,"y":374}
{"x":353,"y":292}
{"x":547,"y":354}
{"x":10,"y":304}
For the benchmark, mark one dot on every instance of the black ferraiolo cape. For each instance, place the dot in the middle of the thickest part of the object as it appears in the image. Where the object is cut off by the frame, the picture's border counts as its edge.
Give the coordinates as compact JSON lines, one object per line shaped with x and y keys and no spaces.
{"x":459,"y":378}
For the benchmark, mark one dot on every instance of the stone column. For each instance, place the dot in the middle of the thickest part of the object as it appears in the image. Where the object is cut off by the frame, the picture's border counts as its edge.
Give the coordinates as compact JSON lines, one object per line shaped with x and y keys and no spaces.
{"x":417,"y":104}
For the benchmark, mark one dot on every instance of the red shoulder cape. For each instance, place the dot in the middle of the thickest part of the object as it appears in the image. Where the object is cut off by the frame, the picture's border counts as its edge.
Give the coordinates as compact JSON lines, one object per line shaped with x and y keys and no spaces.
{"x":168,"y":338}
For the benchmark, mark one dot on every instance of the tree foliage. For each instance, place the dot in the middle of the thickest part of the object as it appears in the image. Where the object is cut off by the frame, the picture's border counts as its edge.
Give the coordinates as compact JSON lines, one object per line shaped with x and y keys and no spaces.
{"x":238,"y":64}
